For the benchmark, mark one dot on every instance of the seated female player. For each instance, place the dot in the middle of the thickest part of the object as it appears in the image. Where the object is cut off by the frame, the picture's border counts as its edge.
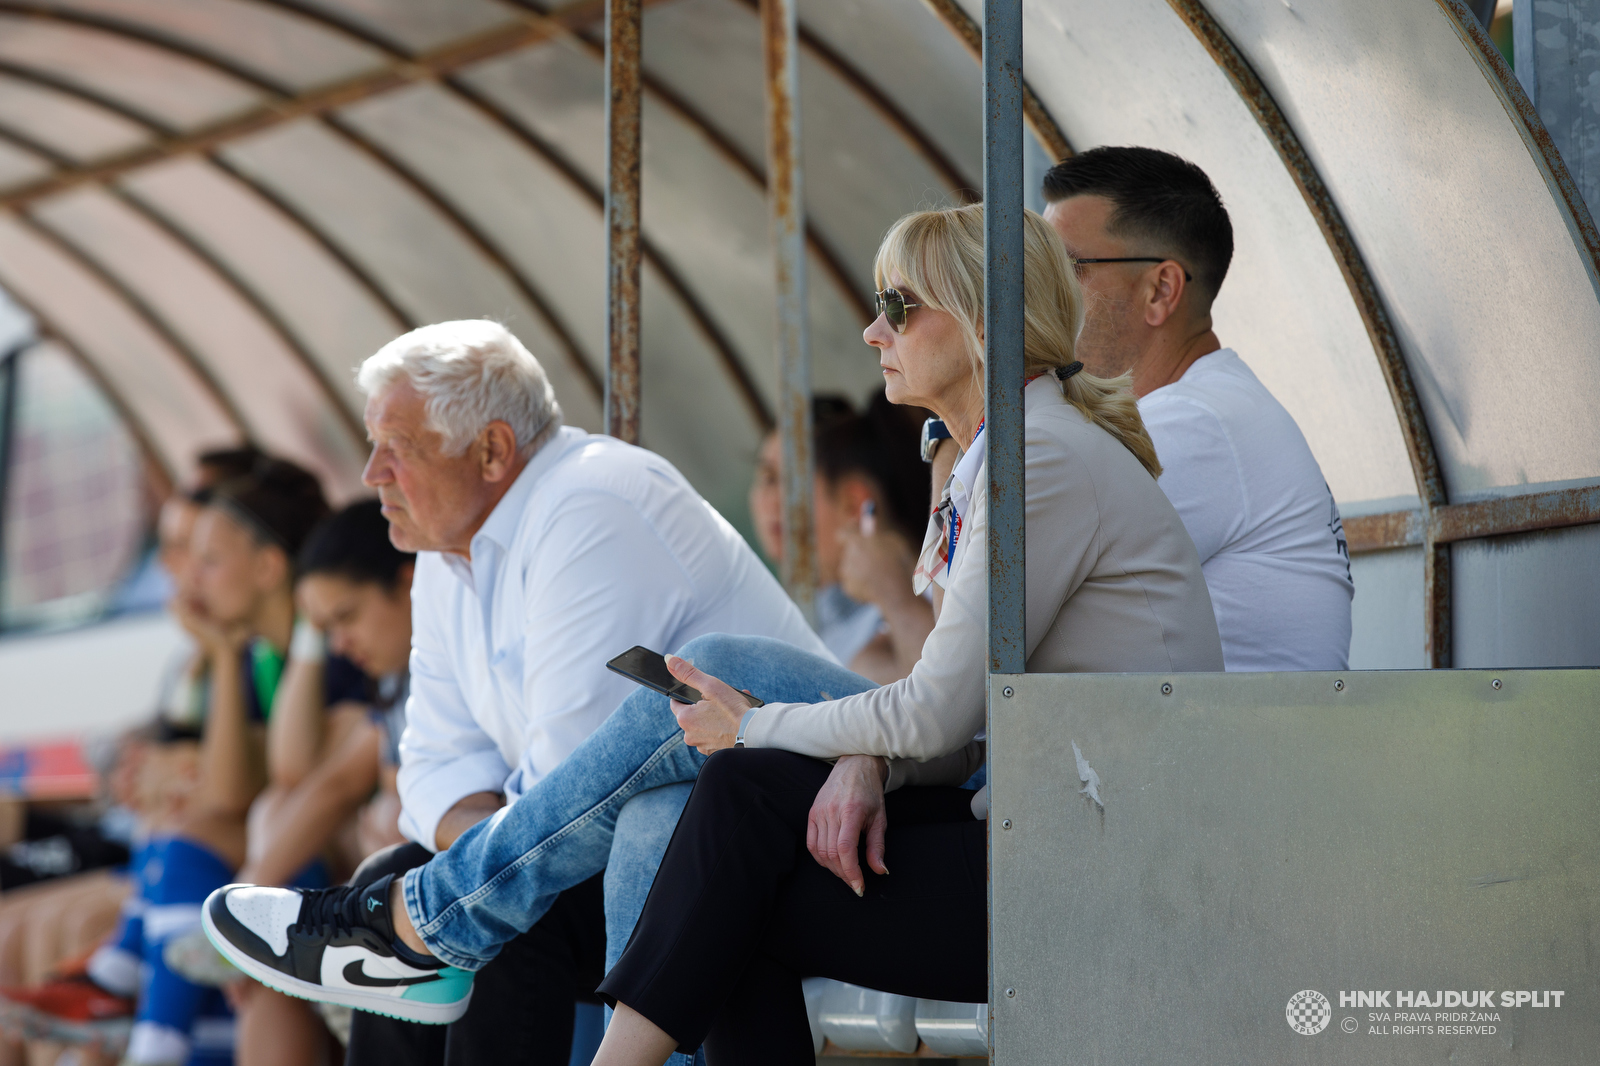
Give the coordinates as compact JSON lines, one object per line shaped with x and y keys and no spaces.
{"x":1113,"y":584}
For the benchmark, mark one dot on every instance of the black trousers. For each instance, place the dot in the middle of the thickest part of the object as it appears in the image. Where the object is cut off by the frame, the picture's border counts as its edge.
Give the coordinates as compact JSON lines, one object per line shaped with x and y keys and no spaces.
{"x":740,"y":912}
{"x":522,"y":1002}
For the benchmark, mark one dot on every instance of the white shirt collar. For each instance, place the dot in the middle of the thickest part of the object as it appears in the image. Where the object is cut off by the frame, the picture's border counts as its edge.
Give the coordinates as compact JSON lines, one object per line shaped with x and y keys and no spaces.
{"x":964,"y":478}
{"x":494,"y":537}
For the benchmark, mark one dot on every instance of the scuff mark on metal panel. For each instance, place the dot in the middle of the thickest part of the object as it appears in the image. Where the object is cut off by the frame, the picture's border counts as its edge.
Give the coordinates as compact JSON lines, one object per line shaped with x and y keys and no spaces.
{"x":1090,"y":779}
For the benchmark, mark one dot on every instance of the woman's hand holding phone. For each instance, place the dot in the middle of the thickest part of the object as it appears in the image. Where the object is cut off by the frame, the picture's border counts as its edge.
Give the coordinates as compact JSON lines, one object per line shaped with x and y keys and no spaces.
{"x":713,"y":723}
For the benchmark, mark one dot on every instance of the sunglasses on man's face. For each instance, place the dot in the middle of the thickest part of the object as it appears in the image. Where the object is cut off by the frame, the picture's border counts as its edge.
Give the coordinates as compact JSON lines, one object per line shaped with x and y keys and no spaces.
{"x":892,"y":306}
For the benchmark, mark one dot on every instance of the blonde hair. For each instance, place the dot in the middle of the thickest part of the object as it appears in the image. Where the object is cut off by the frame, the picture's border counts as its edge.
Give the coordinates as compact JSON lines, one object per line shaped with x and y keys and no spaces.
{"x":938,"y":256}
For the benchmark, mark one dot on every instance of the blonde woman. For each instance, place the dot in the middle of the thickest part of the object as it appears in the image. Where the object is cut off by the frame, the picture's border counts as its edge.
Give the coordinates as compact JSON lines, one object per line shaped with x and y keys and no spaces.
{"x":738,"y":912}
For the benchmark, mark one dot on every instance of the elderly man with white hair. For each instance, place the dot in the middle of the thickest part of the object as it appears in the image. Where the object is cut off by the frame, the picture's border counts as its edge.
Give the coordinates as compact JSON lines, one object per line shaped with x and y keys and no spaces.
{"x":543,"y":552}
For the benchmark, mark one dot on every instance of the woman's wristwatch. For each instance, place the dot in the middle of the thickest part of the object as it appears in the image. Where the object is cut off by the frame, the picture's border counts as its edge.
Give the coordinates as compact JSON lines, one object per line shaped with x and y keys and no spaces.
{"x":933,"y":431}
{"x":744,"y":724}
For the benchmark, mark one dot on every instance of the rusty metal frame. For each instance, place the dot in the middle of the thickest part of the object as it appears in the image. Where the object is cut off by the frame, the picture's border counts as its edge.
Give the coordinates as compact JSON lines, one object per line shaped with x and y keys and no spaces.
{"x":961,"y":184}
{"x":830,"y":259}
{"x":433,"y":66}
{"x":623,"y":125}
{"x":567,"y":23}
{"x":274,"y":321}
{"x":1575,"y":212}
{"x":1369,"y":304}
{"x":1495,"y":517}
{"x":1044,"y":126}
{"x":780,"y":54}
{"x":285,"y":95}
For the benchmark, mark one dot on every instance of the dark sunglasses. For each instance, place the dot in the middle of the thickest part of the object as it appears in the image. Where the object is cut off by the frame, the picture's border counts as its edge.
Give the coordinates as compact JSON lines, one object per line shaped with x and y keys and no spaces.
{"x":1133,"y":259}
{"x":892,"y":305}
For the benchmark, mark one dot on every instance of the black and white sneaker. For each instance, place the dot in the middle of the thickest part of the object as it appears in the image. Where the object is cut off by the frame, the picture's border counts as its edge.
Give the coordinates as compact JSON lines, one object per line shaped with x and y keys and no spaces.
{"x":334,"y":945}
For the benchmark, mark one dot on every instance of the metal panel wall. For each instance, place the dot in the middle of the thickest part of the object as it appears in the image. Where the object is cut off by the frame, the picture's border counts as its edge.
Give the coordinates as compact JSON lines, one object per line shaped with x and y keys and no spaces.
{"x":1174,"y":859}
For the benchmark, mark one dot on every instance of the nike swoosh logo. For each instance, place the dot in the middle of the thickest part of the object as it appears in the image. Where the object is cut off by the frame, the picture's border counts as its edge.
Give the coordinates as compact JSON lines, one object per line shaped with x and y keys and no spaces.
{"x":358,"y":976}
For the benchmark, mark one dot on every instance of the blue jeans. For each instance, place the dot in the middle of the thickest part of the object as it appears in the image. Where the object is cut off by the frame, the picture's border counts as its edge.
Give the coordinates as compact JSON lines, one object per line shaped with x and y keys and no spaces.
{"x":501,"y":875}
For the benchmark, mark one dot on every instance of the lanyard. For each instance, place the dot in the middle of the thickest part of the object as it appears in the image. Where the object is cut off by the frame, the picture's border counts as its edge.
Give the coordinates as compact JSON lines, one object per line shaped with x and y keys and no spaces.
{"x":955,"y":516}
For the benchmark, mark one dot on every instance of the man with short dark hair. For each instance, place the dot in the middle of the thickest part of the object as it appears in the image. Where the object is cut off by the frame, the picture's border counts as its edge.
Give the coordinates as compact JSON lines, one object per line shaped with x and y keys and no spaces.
{"x":1152,"y":241}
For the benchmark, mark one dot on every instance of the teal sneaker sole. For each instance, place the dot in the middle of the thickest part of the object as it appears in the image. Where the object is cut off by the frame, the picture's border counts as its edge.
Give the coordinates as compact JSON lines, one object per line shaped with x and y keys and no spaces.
{"x":406,"y":1010}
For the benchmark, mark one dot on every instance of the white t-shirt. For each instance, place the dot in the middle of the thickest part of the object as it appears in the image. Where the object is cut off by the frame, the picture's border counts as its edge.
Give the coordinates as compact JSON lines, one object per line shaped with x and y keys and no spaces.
{"x":1248,"y":489}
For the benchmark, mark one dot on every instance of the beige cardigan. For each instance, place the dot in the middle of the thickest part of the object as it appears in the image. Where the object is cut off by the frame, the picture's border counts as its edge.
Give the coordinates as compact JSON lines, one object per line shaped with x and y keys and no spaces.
{"x":1113,"y":586}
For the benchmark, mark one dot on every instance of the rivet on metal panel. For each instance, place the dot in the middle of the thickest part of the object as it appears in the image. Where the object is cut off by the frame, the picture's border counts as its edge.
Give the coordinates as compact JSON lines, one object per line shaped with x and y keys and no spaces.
{"x":1338,"y":685}
{"x":1011,"y":993}
{"x":1166,"y":688}
{"x":1005,"y":823}
{"x":1007,"y":692}
{"x":1495,"y":683}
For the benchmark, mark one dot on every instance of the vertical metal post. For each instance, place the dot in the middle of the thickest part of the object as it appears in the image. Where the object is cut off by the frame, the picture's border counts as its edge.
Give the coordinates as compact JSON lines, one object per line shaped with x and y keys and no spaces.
{"x":1003,"y":326}
{"x":623,"y":27}
{"x":10,"y":363}
{"x":780,"y":38}
{"x":1002,"y":358}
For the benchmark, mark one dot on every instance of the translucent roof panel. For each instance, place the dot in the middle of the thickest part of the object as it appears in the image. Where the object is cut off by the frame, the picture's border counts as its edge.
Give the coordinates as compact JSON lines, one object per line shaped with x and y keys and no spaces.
{"x":415,"y":25}
{"x":336,"y":318}
{"x":18,"y":165}
{"x":706,"y":213}
{"x":176,"y":411}
{"x":69,"y":127}
{"x":1474,"y":257}
{"x":422,"y":259}
{"x":284,"y":406}
{"x":926,"y":71}
{"x":175,"y":92}
{"x":861,"y":172}
{"x":538,"y":219}
{"x":1131,"y":72}
{"x":554,"y":234}
{"x":274,"y":42}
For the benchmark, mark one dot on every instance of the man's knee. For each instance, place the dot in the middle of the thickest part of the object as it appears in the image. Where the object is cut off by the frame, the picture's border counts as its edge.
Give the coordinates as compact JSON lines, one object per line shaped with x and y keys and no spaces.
{"x":712,"y":652}
{"x":395,"y":859}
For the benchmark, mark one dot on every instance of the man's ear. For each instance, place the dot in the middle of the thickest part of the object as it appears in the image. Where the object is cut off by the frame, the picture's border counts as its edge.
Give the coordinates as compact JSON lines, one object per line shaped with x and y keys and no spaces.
{"x":497,"y":451}
{"x":1164,"y":295}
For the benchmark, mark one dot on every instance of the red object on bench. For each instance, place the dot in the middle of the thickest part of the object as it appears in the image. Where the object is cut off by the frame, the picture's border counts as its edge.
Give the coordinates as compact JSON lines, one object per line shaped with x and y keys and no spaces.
{"x":52,"y":770}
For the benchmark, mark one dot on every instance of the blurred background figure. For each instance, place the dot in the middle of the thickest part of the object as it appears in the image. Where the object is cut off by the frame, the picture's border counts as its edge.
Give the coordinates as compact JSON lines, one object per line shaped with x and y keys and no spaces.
{"x":871,"y":507}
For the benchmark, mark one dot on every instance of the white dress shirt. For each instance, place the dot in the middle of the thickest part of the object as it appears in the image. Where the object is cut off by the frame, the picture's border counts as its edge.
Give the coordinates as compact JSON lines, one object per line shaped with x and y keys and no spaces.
{"x":597,"y":546}
{"x":1252,"y":496}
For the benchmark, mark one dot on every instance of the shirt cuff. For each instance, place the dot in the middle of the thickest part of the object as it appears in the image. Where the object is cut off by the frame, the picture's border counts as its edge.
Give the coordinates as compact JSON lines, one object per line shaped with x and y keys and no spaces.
{"x":428,"y":793}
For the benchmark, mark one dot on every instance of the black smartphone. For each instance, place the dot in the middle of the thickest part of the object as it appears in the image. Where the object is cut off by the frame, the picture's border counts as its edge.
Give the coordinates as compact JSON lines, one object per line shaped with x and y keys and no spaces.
{"x":648,"y":668}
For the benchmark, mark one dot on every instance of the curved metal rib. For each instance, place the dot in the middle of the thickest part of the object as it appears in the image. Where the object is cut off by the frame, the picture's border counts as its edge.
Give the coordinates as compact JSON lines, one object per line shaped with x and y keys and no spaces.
{"x":125,"y":413}
{"x":146,"y":314}
{"x":281,"y":92}
{"x":1363,"y":292}
{"x":908,"y":128}
{"x":1038,"y":117}
{"x":1575,"y":211}
{"x":276,"y":322}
